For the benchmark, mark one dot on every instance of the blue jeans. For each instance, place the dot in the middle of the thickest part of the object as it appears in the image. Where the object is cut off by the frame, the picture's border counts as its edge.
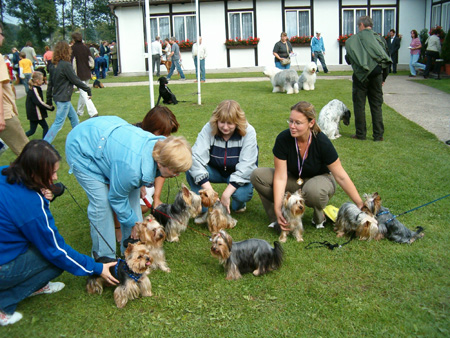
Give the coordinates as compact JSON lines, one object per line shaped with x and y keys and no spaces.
{"x":63,"y":109}
{"x":280,"y":66}
{"x":175,"y":63}
{"x":25,"y":81}
{"x":100,"y":214}
{"x":242,"y":194}
{"x":413,"y":64}
{"x":319,"y":55}
{"x":24,"y":275}
{"x":202,"y":69}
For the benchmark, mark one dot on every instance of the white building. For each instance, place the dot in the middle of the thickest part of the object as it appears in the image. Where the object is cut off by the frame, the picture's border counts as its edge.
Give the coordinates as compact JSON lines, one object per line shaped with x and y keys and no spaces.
{"x":266,"y":19}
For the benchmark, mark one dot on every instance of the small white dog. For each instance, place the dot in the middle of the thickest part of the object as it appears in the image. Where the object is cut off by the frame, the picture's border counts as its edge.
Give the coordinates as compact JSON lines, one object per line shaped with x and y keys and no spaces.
{"x":283,"y":80}
{"x":308,"y":77}
{"x":330,"y":116}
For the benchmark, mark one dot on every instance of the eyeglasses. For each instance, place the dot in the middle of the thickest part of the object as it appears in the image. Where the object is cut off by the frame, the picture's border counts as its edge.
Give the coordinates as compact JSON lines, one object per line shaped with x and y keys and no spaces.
{"x":295,"y":123}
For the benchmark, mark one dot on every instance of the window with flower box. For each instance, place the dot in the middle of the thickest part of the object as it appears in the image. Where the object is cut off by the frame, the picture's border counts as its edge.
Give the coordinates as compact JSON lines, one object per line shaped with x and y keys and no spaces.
{"x":240,"y":25}
{"x":184,"y":27}
{"x":297,"y":22}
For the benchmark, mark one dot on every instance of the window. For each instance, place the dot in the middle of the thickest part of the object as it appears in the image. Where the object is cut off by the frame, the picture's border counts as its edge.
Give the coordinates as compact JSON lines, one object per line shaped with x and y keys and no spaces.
{"x":241,"y":25}
{"x":383,"y":20}
{"x":350,"y":20}
{"x":159,"y":26}
{"x":436,"y":16}
{"x":297,"y":23}
{"x":446,"y":17}
{"x":184,"y":28}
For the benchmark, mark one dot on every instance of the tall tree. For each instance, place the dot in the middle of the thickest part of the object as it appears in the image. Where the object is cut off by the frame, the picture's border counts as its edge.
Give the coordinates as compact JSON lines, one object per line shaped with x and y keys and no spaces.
{"x":38,"y":19}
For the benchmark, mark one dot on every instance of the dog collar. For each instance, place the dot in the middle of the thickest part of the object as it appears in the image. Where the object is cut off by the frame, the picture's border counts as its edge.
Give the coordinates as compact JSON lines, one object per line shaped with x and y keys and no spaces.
{"x":131,"y":274}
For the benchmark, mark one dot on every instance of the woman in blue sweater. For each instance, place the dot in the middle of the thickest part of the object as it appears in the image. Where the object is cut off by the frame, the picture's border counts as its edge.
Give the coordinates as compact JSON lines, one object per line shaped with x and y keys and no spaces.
{"x":32,"y":252}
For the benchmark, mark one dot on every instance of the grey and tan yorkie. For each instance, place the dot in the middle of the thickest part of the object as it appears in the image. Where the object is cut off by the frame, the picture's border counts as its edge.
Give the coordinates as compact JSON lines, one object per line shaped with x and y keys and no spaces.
{"x":389,"y":226}
{"x":218,"y":217}
{"x":252,"y":255}
{"x":131,"y":273}
{"x":293,"y":208}
{"x":152,"y":235}
{"x":175,"y":217}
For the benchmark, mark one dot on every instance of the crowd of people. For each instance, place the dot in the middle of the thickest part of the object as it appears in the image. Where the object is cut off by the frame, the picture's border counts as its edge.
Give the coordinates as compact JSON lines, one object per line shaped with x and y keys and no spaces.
{"x":116,"y":162}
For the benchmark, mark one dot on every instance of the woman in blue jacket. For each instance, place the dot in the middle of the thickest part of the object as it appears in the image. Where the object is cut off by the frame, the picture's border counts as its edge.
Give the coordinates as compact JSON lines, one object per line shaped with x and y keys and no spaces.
{"x":112,"y":160}
{"x":32,"y":252}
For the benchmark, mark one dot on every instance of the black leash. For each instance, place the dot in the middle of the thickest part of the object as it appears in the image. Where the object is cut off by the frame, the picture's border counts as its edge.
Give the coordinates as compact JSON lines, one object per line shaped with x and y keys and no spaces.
{"x":99,"y":233}
{"x":403,"y":213}
{"x":328,"y":244}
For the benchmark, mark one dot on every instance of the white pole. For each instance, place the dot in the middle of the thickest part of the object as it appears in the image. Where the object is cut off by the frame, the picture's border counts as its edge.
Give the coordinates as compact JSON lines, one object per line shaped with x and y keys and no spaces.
{"x":149,"y":53}
{"x":197,"y":22}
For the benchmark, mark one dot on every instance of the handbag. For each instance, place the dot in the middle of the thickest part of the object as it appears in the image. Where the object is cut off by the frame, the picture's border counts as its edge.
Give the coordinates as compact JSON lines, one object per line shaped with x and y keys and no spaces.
{"x":287,"y":60}
{"x":91,"y":62}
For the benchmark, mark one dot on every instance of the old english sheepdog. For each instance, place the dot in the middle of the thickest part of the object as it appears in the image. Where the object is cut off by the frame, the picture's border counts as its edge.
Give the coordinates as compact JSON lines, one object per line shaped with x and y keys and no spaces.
{"x":329,"y":117}
{"x":308,"y":77}
{"x":283,"y":80}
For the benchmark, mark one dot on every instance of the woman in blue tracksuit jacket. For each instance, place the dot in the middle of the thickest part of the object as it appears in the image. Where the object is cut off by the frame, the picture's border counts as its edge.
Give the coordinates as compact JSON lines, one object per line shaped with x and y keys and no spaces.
{"x":112,"y":160}
{"x":32,"y":251}
{"x":226,"y":151}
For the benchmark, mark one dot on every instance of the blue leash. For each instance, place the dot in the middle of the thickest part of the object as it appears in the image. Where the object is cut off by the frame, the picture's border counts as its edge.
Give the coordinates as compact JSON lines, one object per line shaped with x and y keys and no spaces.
{"x":420,"y":206}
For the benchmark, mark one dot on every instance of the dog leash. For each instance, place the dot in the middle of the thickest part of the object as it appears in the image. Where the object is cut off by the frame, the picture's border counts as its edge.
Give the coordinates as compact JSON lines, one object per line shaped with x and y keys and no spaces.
{"x":413,"y":209}
{"x":99,"y":233}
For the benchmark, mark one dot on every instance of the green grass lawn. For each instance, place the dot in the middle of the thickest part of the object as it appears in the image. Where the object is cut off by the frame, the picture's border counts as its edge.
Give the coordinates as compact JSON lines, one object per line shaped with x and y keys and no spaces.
{"x":363,"y":289}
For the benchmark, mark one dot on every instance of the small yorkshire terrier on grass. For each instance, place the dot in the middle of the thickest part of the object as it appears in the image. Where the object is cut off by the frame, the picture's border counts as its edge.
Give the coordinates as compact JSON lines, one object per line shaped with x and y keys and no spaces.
{"x":131,"y":273}
{"x":352,"y":221}
{"x":389,"y":227}
{"x":293,"y":208}
{"x":252,"y":255}
{"x":152,"y":235}
{"x":218,"y":217}
{"x":175,"y":217}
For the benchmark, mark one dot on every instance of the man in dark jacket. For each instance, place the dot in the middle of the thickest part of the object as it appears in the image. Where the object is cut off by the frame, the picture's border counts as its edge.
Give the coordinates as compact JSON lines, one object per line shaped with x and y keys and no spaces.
{"x":80,"y":61}
{"x":393,"y":43}
{"x":368,"y":55}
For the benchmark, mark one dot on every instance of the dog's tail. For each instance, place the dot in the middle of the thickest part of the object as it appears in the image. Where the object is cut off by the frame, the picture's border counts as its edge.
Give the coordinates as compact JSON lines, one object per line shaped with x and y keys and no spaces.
{"x":418,"y":234}
{"x":277,"y":255}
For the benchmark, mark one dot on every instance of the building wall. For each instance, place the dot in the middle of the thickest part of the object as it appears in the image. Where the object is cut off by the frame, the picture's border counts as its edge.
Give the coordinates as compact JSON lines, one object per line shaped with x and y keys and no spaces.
{"x":413,"y":14}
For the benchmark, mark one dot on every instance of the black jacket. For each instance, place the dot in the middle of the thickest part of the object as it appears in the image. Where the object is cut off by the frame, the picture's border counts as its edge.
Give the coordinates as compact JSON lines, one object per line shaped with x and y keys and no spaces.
{"x":62,"y":80}
{"x":36,"y":107}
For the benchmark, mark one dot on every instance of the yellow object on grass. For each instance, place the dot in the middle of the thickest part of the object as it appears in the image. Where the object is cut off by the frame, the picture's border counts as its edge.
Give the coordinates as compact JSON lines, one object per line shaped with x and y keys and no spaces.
{"x":331,"y":212}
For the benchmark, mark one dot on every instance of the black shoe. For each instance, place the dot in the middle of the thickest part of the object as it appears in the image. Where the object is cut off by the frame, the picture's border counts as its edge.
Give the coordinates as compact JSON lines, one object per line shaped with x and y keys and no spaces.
{"x":357,"y":137}
{"x":378,"y":139}
{"x":57,"y":190}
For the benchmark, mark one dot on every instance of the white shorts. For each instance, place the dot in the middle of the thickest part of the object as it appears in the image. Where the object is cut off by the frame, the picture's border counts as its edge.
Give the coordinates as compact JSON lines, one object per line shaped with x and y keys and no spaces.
{"x":149,"y":195}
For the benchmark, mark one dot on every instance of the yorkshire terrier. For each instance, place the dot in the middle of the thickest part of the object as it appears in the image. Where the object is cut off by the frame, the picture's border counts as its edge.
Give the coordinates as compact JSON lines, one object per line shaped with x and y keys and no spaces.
{"x":252,"y":255}
{"x":218,"y":217}
{"x":131,"y":273}
{"x":175,"y":217}
{"x":388,"y":225}
{"x":152,"y":235}
{"x":292,"y":208}
{"x":352,"y":221}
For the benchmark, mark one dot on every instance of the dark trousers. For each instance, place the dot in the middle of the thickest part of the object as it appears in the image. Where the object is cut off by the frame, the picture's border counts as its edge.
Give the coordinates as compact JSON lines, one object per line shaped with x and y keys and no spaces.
{"x":115,"y":66}
{"x":33,"y":126}
{"x":156,"y":62}
{"x":373,"y":91}
{"x":431,"y":56}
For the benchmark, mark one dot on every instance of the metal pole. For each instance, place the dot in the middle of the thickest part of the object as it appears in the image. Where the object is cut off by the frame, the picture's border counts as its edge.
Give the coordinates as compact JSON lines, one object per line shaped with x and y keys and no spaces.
{"x":149,"y":53}
{"x":197,"y":22}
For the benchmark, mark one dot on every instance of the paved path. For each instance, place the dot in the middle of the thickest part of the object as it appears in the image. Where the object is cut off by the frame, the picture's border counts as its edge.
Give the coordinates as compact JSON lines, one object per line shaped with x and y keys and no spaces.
{"x":424,"y":105}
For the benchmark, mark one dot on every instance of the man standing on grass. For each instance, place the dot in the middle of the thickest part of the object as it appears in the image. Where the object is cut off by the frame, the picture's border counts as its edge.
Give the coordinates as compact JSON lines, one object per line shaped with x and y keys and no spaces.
{"x":368,"y":55}
{"x":176,"y":59}
{"x":11,"y":131}
{"x":156,"y":55}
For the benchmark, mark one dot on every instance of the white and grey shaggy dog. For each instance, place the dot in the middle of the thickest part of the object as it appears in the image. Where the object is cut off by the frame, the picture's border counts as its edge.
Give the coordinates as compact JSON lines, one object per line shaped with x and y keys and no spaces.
{"x":330,"y":116}
{"x":283,"y":80}
{"x":308,"y":78}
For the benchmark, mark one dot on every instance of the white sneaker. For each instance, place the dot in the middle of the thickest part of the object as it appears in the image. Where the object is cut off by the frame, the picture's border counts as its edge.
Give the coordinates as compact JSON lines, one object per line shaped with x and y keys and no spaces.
{"x":318,"y":226}
{"x":51,"y":287}
{"x":9,"y":319}
{"x":272,"y":225}
{"x":241,"y":210}
{"x":201,"y":219}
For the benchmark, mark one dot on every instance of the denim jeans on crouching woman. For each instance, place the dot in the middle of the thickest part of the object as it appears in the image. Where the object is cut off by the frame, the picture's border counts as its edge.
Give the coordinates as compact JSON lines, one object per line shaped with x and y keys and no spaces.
{"x":22,"y":276}
{"x":63,"y":109}
{"x":242,"y":194}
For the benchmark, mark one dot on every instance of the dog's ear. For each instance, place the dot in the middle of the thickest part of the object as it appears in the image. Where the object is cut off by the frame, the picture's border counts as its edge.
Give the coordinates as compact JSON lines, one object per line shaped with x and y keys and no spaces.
{"x":185,"y":190}
{"x":227,"y":238}
{"x":287,"y":195}
{"x":129,"y":249}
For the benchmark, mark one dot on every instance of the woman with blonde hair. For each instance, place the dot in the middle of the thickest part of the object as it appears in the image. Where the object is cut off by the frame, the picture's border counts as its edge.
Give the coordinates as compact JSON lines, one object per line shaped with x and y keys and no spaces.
{"x":112,"y":159}
{"x":60,"y":85}
{"x":304,"y":159}
{"x":226,"y":151}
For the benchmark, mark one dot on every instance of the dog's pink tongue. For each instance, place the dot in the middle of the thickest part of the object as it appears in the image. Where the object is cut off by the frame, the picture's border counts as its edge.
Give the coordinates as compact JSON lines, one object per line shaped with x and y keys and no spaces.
{"x":147,"y":263}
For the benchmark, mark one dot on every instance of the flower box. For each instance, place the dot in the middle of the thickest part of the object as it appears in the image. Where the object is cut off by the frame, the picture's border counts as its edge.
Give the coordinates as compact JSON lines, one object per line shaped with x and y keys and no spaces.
{"x":298,"y":44}
{"x":241,"y":46}
{"x":186,"y":49}
{"x":251,"y":42}
{"x":300,"y":41}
